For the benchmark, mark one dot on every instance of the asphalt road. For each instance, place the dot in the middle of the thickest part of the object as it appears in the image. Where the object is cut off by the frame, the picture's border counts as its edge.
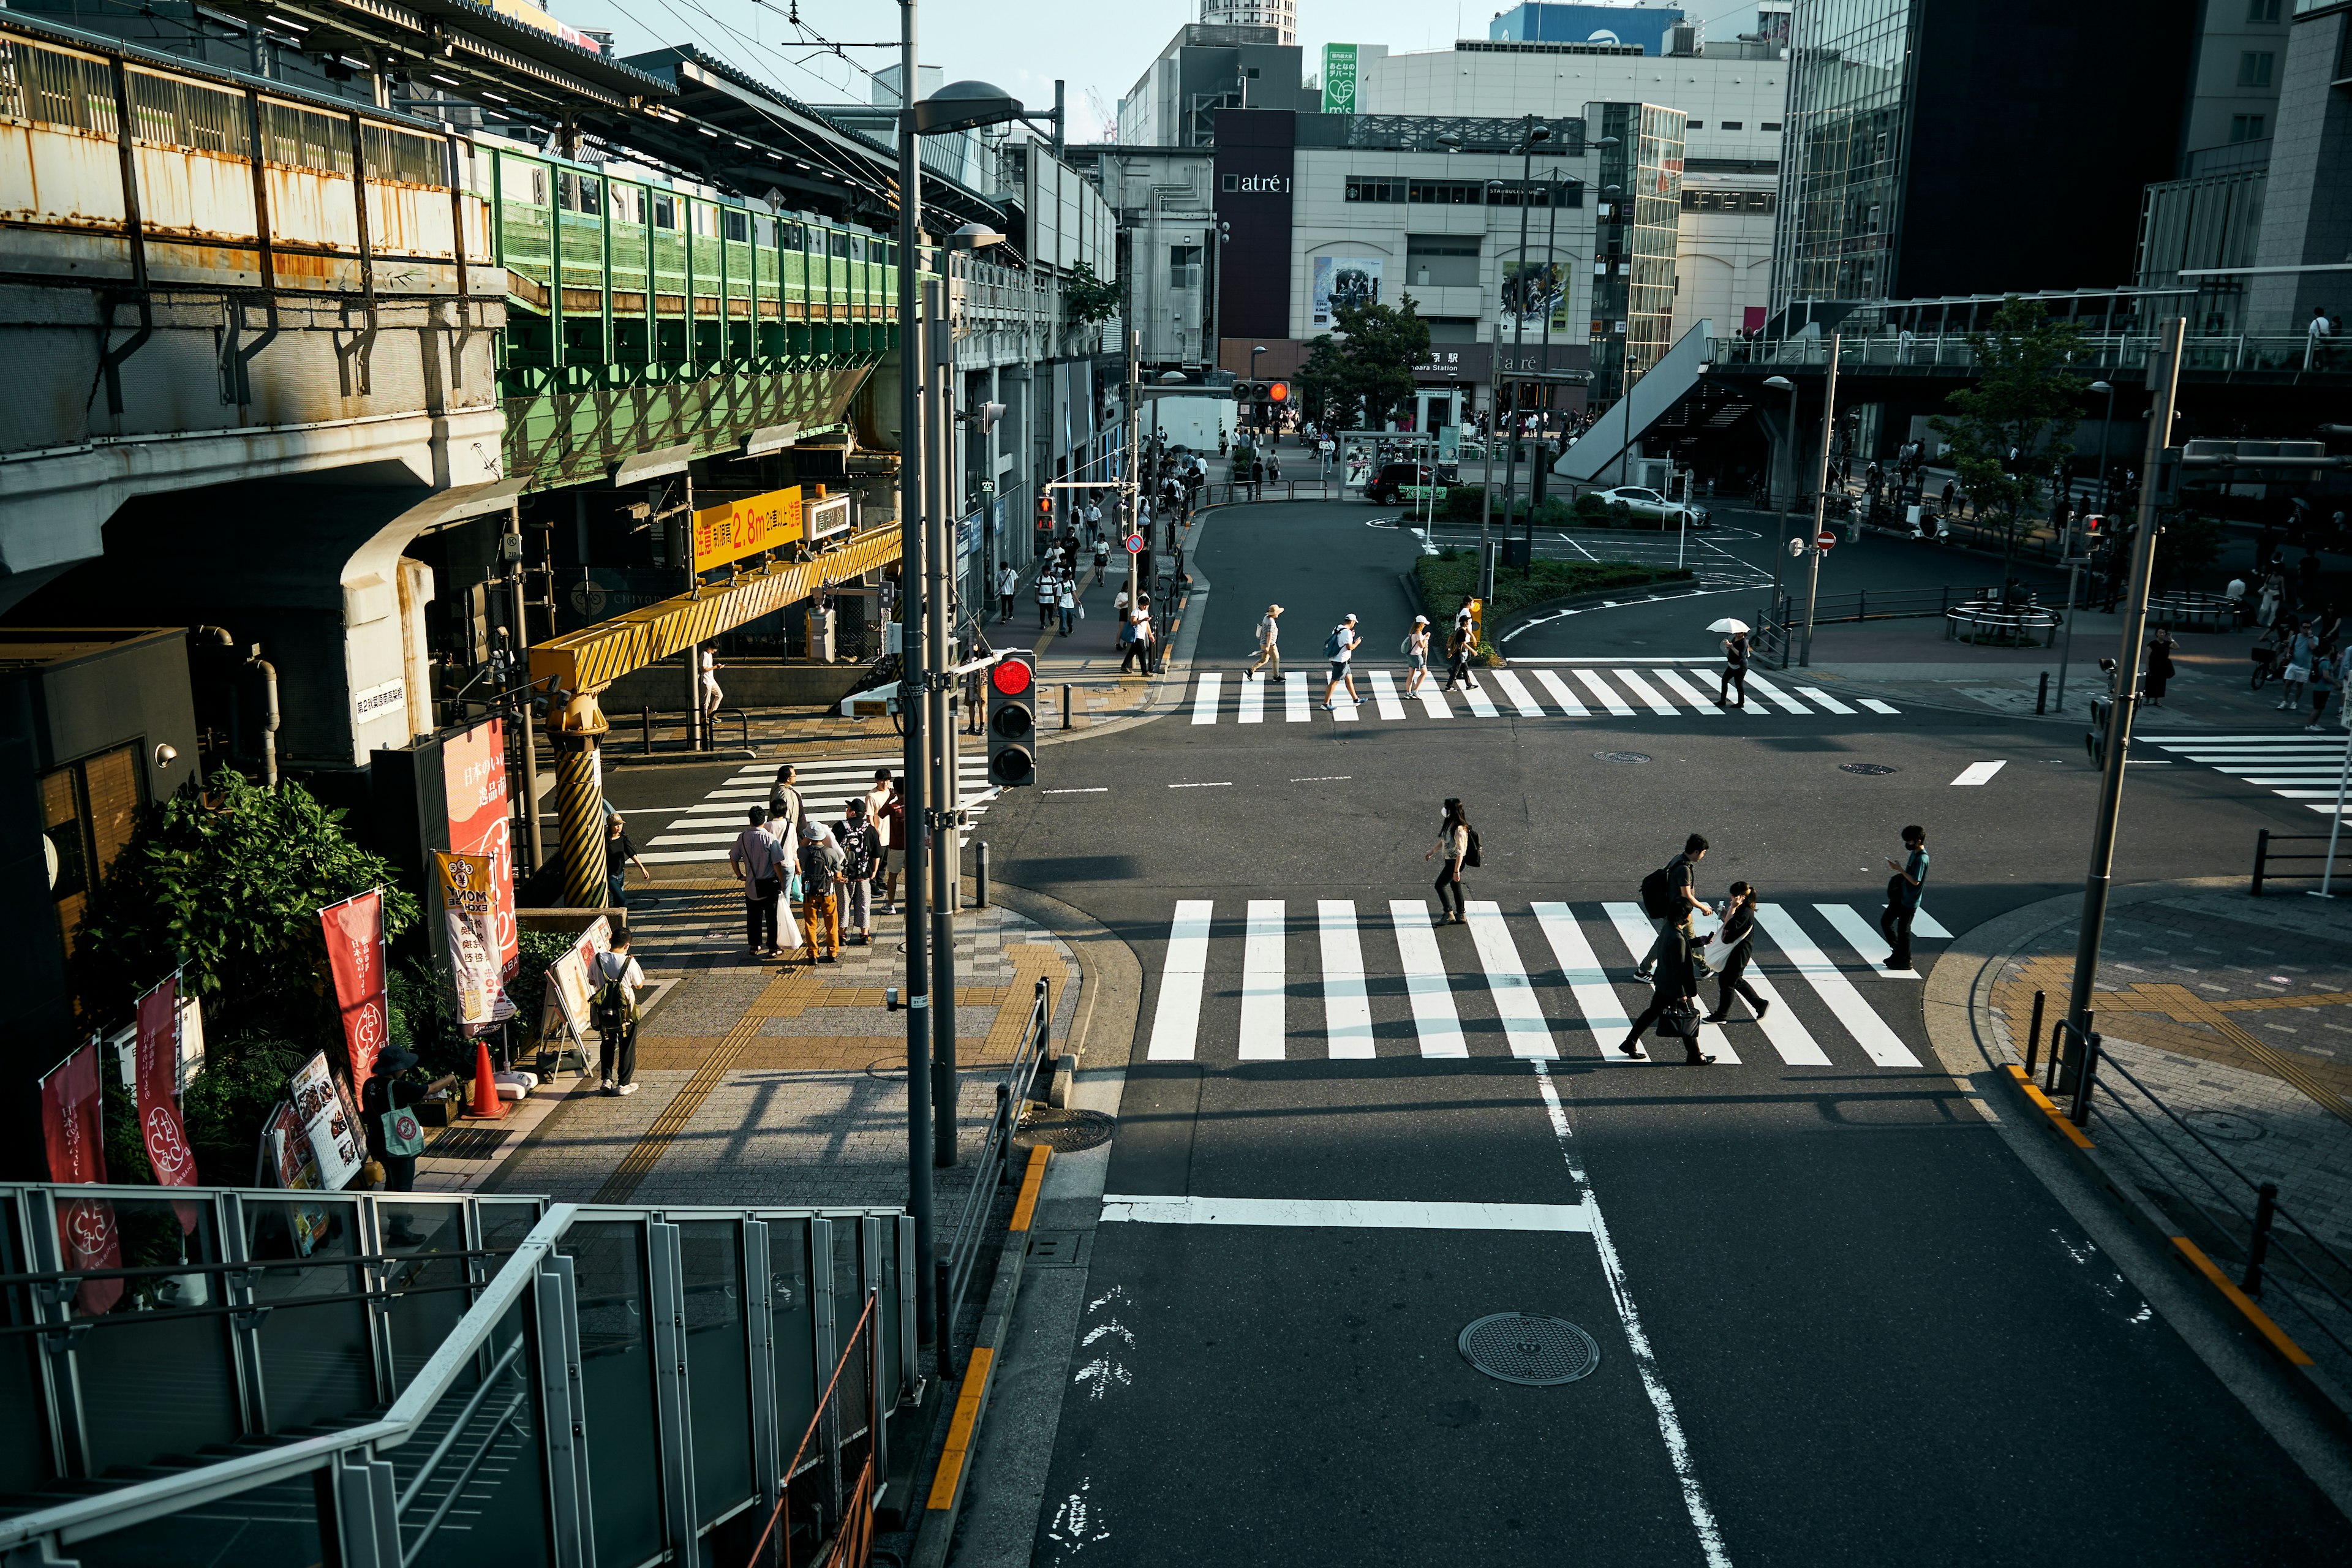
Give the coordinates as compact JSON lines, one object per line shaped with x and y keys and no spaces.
{"x":1837,"y":1323}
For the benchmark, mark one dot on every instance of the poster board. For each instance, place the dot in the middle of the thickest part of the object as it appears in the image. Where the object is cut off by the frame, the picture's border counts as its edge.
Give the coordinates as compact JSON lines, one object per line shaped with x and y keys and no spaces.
{"x":287,"y":1158}
{"x":328,"y":1122}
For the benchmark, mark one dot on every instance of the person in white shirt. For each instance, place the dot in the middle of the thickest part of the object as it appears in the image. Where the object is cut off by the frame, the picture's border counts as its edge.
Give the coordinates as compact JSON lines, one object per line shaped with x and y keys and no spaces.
{"x":615,"y":978}
{"x":1008,"y":583}
{"x":1342,"y":646}
{"x":1066,"y":603}
{"x":1269,"y":637}
{"x":1048,"y":591}
{"x":756,"y":858}
{"x":712,"y":696}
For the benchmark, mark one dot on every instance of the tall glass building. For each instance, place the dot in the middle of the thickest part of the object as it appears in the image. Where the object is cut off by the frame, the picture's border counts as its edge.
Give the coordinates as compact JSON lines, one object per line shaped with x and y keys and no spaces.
{"x":1635,"y":228}
{"x":1841,"y":150}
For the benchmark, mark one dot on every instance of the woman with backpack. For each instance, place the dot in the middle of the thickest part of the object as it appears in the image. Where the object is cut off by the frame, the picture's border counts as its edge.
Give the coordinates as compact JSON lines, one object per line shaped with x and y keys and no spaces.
{"x":1459,"y":844}
{"x":1673,"y":994}
{"x":1416,"y":655}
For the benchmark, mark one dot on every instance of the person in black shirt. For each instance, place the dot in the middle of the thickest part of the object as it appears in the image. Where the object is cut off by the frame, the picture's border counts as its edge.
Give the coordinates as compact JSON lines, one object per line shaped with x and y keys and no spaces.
{"x":859,"y":852}
{"x":384,"y":1090}
{"x":1677,"y":982}
{"x":1737,"y":936}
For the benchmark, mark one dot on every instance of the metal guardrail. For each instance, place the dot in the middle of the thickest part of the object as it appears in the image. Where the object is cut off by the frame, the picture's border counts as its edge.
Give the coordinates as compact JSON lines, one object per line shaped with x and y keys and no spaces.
{"x":961,"y":1253}
{"x":2266,"y":857}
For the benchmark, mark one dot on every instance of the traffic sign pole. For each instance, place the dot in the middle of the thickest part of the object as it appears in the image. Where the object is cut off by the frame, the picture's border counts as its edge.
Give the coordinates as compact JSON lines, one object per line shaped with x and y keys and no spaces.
{"x":1820,"y":502}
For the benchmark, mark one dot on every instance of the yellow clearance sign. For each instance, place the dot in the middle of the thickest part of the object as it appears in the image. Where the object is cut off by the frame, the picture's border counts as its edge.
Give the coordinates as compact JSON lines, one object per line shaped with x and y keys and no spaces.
{"x":746,"y":527}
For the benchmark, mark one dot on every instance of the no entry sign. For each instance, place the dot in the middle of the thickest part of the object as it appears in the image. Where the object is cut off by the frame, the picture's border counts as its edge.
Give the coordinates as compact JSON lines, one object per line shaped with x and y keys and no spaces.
{"x":1825,"y":538}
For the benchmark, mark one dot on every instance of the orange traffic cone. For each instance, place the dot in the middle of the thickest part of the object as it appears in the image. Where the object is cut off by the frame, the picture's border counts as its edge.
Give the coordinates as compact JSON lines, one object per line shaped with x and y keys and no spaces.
{"x":486,"y":1106}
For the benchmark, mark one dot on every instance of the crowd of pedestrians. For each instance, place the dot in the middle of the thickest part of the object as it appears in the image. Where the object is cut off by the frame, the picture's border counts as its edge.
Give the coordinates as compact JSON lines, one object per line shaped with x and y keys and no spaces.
{"x":1340,"y":644}
{"x":787,"y":856}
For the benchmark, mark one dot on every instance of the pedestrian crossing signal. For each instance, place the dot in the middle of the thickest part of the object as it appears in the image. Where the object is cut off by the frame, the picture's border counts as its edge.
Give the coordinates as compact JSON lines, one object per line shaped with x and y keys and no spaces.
{"x":1012,"y":721}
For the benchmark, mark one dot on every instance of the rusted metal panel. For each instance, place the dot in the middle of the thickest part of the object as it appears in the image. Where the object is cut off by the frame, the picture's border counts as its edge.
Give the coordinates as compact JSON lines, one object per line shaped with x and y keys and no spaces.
{"x":70,"y":178}
{"x":409,"y":220}
{"x":195,"y":195}
{"x":311,"y":210}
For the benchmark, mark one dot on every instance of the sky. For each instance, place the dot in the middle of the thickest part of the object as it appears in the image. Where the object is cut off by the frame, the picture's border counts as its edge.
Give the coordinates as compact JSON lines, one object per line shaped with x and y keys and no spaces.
{"x":1020,"y":47}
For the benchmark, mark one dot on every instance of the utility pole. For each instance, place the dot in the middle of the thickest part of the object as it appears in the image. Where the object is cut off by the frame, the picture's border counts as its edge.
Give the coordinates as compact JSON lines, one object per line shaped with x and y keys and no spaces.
{"x":1135,"y":464}
{"x":2164,"y":377}
{"x":1821,"y":505}
{"x":947,"y":860}
{"x":1519,"y":345}
{"x":911,"y":672}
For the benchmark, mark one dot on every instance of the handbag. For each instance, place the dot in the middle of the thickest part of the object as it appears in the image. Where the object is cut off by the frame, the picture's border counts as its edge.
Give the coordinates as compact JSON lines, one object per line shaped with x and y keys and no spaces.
{"x":1082,"y":610}
{"x":1678,"y":1022}
{"x":403,"y":1136}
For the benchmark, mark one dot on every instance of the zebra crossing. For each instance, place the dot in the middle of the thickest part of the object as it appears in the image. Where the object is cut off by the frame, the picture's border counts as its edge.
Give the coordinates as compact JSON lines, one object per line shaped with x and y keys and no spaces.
{"x":1621,"y":689}
{"x":2306,"y":768}
{"x":1533,"y":983}
{"x":703,"y":831}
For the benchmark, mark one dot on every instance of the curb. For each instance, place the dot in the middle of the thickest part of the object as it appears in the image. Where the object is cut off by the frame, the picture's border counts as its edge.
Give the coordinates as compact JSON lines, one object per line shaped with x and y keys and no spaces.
{"x":936,"y":1530}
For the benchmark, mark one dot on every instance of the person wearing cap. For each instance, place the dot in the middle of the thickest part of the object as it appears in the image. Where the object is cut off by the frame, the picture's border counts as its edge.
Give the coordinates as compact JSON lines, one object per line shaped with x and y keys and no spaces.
{"x":856,"y":838}
{"x":1340,"y":648}
{"x":384,"y":1090}
{"x":1416,"y":655}
{"x":1269,"y":636}
{"x":821,"y":860}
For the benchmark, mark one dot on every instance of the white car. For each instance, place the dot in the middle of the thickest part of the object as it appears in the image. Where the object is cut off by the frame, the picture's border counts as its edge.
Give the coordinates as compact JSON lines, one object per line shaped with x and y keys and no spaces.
{"x":1650,"y":503}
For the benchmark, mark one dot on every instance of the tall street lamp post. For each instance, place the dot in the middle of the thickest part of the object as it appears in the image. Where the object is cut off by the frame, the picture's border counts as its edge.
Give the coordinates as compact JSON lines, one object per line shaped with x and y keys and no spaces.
{"x":1820,"y":502}
{"x":1780,"y":542}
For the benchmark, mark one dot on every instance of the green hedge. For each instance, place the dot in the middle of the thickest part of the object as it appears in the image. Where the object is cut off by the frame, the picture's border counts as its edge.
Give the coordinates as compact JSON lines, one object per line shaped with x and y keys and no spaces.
{"x":1587,"y":511}
{"x":1451,"y":576}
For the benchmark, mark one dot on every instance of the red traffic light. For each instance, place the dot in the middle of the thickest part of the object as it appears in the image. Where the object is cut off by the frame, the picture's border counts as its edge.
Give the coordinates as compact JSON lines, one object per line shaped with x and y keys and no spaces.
{"x":1011,"y":677}
{"x":1278,"y":392}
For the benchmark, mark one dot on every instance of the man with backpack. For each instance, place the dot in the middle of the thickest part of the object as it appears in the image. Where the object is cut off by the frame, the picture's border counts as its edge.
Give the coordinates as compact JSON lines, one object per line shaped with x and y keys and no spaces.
{"x":615,"y":1010}
{"x":821,"y":861}
{"x":784,"y":808}
{"x":1669,"y":898}
{"x":1459,"y":649}
{"x":1340,"y":648}
{"x":858,"y":851}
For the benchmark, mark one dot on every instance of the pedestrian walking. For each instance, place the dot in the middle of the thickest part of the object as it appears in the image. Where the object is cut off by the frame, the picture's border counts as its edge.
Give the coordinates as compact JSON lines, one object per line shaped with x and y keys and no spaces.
{"x":1461,"y":644}
{"x":1735,"y":672}
{"x":1416,"y":656}
{"x":2274,"y":594}
{"x":1269,"y":641}
{"x":1902,"y":891}
{"x":1065,"y":599}
{"x":2300,"y":653}
{"x":855,"y":836}
{"x":385,"y":1091}
{"x":1670,"y":894}
{"x":1458,"y":843}
{"x":2159,"y":669}
{"x":616,"y":977}
{"x":1138,"y":639}
{"x":1340,"y":651}
{"x":619,"y":850}
{"x":756,"y":859}
{"x":821,"y":861}
{"x":1737,"y":937}
{"x":1048,"y":594}
{"x":1673,"y":995}
{"x":2322,"y":684}
{"x":891,"y":818}
{"x":713,"y":697}
{"x":1008,"y":583}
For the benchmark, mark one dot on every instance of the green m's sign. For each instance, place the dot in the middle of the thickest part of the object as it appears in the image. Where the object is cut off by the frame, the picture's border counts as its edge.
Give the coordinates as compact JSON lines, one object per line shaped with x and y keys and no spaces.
{"x":1338,"y":78}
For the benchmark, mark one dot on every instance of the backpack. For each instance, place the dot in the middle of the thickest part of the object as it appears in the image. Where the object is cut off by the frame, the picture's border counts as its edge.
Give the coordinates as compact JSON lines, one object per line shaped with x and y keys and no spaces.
{"x":1658,"y":892}
{"x":1470,"y":856}
{"x":1333,"y":644}
{"x":614,"y":1009}
{"x":1405,"y":648}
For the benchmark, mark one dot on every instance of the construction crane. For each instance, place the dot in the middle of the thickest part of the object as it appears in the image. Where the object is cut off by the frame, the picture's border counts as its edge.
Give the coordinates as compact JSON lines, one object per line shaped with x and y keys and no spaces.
{"x":1105,"y":113}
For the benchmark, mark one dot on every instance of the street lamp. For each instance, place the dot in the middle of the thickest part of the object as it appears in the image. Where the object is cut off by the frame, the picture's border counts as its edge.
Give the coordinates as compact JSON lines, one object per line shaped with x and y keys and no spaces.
{"x":2105,"y":431}
{"x":1780,"y":543}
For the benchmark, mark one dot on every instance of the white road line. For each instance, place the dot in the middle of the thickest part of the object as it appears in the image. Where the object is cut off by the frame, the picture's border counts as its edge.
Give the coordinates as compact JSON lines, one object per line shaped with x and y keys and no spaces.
{"x":1384,"y":695}
{"x":1346,"y":1012}
{"x":1222,"y":783}
{"x":1927,"y":925}
{"x":1875,"y":706}
{"x":1506,"y":978}
{"x":1690,"y":693}
{"x":1587,"y":982}
{"x":1781,"y":1026}
{"x":1864,"y":938}
{"x":1294,"y":701}
{"x":660,"y":839}
{"x":1343,"y":708}
{"x":1341,"y":1213}
{"x":1570,"y":702}
{"x":1096,"y":789}
{"x":1253,"y":702}
{"x":1176,"y":1027}
{"x":1204,"y":699}
{"x":1825,"y":699}
{"x":1480,"y":704}
{"x":1264,"y":1025}
{"x":1637,"y":1339}
{"x":680,"y":856}
{"x":1604,"y":691}
{"x":1647,"y":692}
{"x":1634,"y":931}
{"x":1426,"y":984}
{"x":1980,"y":773}
{"x":1521,"y":697}
{"x":1878,"y":1042}
{"x":1774,"y":695}
{"x":1432,"y":702}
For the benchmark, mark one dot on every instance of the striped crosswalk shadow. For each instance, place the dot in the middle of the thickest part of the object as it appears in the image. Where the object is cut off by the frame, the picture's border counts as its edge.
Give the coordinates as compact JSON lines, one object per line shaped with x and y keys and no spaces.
{"x":702,"y":830}
{"x":2304,"y":768}
{"x":1326,"y":979}
{"x":1617,"y":690}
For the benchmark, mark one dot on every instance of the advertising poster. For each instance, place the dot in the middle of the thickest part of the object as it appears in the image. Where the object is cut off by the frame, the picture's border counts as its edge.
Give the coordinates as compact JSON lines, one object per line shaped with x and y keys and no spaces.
{"x":1338,"y":78}
{"x":285,"y":1153}
{"x":732,"y":530}
{"x":474,"y":777}
{"x":157,"y":1090}
{"x":1344,"y":280}
{"x":355,"y":934}
{"x":1534,"y":292}
{"x":327,"y":1123}
{"x":469,"y":907}
{"x":69,"y":1106}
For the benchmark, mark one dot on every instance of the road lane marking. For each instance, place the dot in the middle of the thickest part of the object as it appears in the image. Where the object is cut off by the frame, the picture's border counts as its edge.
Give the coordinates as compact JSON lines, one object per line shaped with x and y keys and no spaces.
{"x":1825,"y":699}
{"x":1263,"y":1024}
{"x":1587,"y":982}
{"x":1605,"y":692}
{"x":1979,"y":772}
{"x":1777,"y":697}
{"x":1176,"y":1025}
{"x":1426,"y":984}
{"x":1647,"y":693}
{"x":1253,"y":702}
{"x":1221,"y":783}
{"x":1868,"y":945}
{"x":1342,"y":1213}
{"x":1204,"y":699}
{"x":1506,"y":978}
{"x":1480,"y":704}
{"x":1384,"y":694}
{"x":1569,"y":703}
{"x":1432,"y":702}
{"x":1875,"y":706}
{"x":1294,"y":701}
{"x":1927,"y":925}
{"x":1521,"y":697}
{"x":1683,"y":689}
{"x":1347,"y":1012}
{"x":1098,"y":789}
{"x":1878,"y":1042}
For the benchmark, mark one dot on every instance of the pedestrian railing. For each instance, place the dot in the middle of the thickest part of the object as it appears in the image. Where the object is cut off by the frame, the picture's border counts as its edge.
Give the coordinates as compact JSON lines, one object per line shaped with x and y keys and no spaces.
{"x":2331,"y":861}
{"x":1230,"y":494}
{"x":842,"y":1421}
{"x":960,"y":1256}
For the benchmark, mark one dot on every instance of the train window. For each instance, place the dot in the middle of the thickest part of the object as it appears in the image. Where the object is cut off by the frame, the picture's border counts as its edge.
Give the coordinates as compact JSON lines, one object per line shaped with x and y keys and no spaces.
{"x":665,"y":210}
{"x":840,"y":242}
{"x":737,"y":225}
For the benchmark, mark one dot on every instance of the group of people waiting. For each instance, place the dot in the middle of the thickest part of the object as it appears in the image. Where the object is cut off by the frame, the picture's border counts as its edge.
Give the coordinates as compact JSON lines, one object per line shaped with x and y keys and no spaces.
{"x":785,"y":855}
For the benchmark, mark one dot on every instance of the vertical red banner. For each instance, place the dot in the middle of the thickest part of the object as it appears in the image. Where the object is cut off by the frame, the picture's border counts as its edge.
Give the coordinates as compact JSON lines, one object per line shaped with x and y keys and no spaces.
{"x":86,"y":1230}
{"x":354,"y":932}
{"x":157,"y":1083}
{"x":474,"y":778}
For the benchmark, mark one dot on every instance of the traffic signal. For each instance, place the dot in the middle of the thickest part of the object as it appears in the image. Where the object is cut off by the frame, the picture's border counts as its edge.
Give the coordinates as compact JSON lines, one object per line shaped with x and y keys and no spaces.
{"x":1278,"y":392}
{"x":1012,"y":721}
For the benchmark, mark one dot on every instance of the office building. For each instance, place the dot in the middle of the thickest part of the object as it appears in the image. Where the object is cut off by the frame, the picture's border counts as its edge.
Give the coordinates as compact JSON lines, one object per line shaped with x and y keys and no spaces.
{"x":1280,"y":15}
{"x":1651,"y":27}
{"x":1204,"y":68}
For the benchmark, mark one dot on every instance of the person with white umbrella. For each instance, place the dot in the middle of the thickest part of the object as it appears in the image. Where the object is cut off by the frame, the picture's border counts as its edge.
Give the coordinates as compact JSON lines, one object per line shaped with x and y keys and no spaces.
{"x":1735,"y":663}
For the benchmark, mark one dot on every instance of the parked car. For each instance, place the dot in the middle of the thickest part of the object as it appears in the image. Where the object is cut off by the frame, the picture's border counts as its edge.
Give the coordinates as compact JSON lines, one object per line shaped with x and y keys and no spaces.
{"x":1650,"y":503}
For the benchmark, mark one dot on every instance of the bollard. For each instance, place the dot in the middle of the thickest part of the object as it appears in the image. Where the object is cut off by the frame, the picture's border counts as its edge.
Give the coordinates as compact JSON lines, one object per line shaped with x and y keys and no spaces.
{"x":646,"y":723}
{"x":2033,"y":1035}
{"x":2089,"y":1079}
{"x":2042,"y":701}
{"x":1066,"y":705}
{"x":979,"y":873}
{"x":2258,"y":1247}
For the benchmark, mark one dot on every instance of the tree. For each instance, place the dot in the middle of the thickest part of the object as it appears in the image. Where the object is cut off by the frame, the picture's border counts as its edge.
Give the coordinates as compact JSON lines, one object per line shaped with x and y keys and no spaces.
{"x":1086,"y":299}
{"x":2023,"y":402}
{"x":1367,"y":364}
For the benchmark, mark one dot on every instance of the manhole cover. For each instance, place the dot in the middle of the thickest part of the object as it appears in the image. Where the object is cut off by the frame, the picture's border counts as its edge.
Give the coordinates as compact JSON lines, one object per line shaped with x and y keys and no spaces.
{"x":1530,"y":1348}
{"x":1064,"y":1131}
{"x":1622,"y":756}
{"x":2224,"y":1125}
{"x":468,"y":1143}
{"x":1868,"y":770}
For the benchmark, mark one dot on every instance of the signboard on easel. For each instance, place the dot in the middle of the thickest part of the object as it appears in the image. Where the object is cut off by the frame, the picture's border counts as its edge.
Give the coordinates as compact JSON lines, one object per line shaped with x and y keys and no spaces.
{"x":570,"y":987}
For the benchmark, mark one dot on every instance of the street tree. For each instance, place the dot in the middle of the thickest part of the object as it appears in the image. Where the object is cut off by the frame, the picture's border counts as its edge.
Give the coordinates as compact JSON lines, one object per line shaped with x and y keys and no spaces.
{"x":1367,"y":364}
{"x":2016,"y":424}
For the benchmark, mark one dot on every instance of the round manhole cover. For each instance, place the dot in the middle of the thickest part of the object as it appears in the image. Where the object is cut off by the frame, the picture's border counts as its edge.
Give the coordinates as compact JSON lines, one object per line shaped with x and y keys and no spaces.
{"x":1868,"y":770}
{"x":2224,"y":1125}
{"x":1530,"y":1348}
{"x":1064,"y":1131}
{"x":1622,"y":756}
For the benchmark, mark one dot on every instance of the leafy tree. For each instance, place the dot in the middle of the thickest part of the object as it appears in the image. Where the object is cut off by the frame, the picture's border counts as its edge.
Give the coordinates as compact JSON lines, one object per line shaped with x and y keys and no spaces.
{"x":1086,"y":299}
{"x":2023,"y":402}
{"x":2186,"y":545}
{"x":1367,"y":364}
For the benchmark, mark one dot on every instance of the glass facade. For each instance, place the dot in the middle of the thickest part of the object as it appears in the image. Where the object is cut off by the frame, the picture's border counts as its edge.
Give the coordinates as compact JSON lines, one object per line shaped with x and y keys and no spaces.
{"x":1841,"y":151}
{"x":1635,"y":227}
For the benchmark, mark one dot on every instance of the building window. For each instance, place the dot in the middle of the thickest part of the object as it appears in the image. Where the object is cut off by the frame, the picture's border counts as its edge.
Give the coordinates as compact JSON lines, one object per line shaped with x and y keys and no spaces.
{"x":2261,"y":10}
{"x":1773,"y":126}
{"x":1733,"y":126}
{"x":2246,"y":127}
{"x":87,"y":810}
{"x":2254,"y":68}
{"x":1183,"y":267}
{"x":1699,"y":124}
{"x":1228,"y":182}
{"x":735,"y":225}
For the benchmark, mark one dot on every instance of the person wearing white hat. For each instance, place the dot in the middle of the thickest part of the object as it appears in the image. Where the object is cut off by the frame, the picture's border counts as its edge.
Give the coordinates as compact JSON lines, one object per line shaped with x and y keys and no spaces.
{"x":1416,"y":655}
{"x":1269,"y":635}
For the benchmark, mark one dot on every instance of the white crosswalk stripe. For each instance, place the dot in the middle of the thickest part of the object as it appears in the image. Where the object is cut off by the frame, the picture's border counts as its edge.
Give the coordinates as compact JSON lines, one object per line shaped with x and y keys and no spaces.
{"x":1816,"y":694}
{"x":1480,"y":704}
{"x":1605,"y":693}
{"x":1521,"y":697}
{"x":1384,"y":695}
{"x":1774,"y":695}
{"x":703,"y":832}
{"x":1230,"y":979}
{"x":1642,"y":688}
{"x":1432,"y":702}
{"x":1204,"y":700}
{"x":1569,"y":703}
{"x":2304,"y":768}
{"x":1673,"y":683}
{"x":1294,"y":701}
{"x":1659,"y":690}
{"x":1253,"y":701}
{"x":1864,"y":938}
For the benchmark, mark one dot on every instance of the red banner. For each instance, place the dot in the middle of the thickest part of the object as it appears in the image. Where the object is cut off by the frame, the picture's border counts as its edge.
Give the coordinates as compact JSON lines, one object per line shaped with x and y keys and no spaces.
{"x":157,"y":1074}
{"x":474,"y":778}
{"x":70,"y":1102}
{"x":354,"y":931}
